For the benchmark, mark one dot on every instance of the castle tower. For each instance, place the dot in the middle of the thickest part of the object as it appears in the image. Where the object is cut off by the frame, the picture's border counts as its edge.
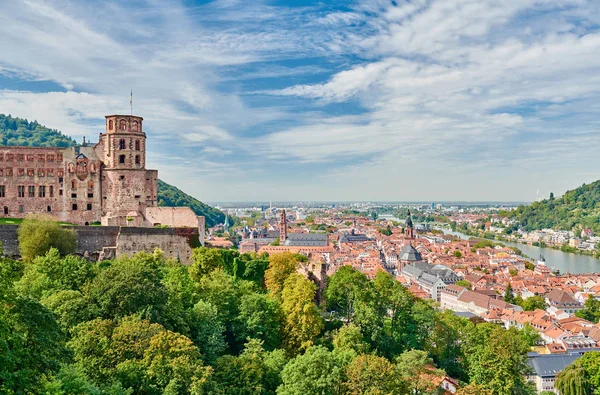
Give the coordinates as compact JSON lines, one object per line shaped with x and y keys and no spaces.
{"x":282,"y":227}
{"x":409,"y":231}
{"x":127,"y":187}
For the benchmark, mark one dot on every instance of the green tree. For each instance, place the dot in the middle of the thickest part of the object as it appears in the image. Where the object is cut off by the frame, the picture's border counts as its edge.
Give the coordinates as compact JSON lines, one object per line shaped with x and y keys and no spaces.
{"x":205,"y":260}
{"x":581,"y":377}
{"x":259,"y":318}
{"x":416,"y":370}
{"x":344,"y":289}
{"x":281,"y":266}
{"x":38,"y":234}
{"x":509,"y":296}
{"x":350,"y":337}
{"x":130,"y":285}
{"x":207,"y":331}
{"x":457,"y":254}
{"x":591,"y":310}
{"x":533,"y":303}
{"x":317,"y":371}
{"x":302,"y":319}
{"x":370,"y":374}
{"x":464,"y":283}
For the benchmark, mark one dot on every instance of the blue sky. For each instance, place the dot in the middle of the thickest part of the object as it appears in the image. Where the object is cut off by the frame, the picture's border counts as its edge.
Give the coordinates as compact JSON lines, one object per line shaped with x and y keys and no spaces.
{"x":323,"y":100}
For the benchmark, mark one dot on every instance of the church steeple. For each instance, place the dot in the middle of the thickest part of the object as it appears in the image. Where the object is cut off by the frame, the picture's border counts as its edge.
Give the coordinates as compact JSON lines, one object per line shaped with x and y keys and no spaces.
{"x":282,"y":227}
{"x":409,"y":230}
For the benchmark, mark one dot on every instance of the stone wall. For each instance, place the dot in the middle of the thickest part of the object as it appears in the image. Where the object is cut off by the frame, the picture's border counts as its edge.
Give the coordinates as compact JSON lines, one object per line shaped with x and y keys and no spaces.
{"x":93,"y":240}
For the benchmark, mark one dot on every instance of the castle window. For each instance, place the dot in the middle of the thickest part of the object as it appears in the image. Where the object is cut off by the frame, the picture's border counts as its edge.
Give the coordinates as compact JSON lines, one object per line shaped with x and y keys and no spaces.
{"x":41,"y":158}
{"x":42,"y":191}
{"x":137,"y":196}
{"x":21,"y":172}
{"x":122,"y":124}
{"x":49,"y":209}
{"x":30,"y":158}
{"x":60,"y":192}
{"x":91,"y":184}
{"x":31,"y":191}
{"x":121,"y":159}
{"x":110,"y":125}
{"x":90,"y":195}
{"x":5,"y":210}
{"x":74,"y":184}
{"x":51,"y":190}
{"x":137,"y":159}
{"x":50,"y":172}
{"x":30,"y":172}
{"x":121,"y":177}
{"x":134,"y":125}
{"x":89,"y":206}
{"x":137,"y":145}
{"x":74,"y":195}
{"x":74,"y":206}
{"x":2,"y":191}
{"x":122,"y":144}
{"x":20,"y":157}
{"x":41,"y":173}
{"x":50,"y":158}
{"x":21,"y":191}
{"x":59,"y":157}
{"x":21,"y":209}
{"x":10,"y":157}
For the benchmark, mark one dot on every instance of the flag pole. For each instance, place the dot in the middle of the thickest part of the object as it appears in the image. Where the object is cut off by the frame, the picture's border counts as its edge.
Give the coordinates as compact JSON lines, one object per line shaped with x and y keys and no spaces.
{"x":131,"y":102}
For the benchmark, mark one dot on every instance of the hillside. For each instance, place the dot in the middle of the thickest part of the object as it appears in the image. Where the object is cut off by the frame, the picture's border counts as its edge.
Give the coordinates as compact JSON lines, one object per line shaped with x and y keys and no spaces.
{"x":576,"y":209}
{"x":170,"y":196}
{"x":20,"y":132}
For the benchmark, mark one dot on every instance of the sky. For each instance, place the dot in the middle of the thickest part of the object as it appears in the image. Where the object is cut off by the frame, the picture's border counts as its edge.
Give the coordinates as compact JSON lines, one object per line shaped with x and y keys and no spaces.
{"x":323,"y":100}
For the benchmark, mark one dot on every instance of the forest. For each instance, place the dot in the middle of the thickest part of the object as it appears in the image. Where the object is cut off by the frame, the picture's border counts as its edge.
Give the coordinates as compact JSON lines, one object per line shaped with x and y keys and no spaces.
{"x":232,"y":323}
{"x":20,"y":132}
{"x":575,"y":210}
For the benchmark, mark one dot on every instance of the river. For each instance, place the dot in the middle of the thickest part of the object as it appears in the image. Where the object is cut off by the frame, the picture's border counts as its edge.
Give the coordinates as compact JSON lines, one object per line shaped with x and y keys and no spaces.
{"x":555,"y":259}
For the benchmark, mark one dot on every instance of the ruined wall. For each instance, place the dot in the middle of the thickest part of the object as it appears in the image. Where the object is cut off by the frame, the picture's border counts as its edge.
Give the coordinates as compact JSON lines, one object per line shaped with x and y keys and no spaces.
{"x":93,"y":240}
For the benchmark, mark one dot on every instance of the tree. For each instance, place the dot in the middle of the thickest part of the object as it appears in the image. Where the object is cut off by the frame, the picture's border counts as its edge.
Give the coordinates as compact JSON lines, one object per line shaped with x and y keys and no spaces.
{"x":498,"y":359}
{"x":350,"y":337}
{"x":281,"y":265}
{"x":370,"y":374}
{"x":302,"y":320}
{"x":591,"y":310}
{"x":38,"y":234}
{"x":464,"y":283}
{"x":581,"y":377}
{"x":130,"y":285}
{"x":457,"y":254}
{"x":259,"y":318}
{"x":207,"y":331}
{"x":344,"y":289}
{"x":205,"y":260}
{"x":509,"y":297}
{"x":533,"y":303}
{"x":317,"y":371}
{"x":473,"y":389}
{"x":416,"y":370}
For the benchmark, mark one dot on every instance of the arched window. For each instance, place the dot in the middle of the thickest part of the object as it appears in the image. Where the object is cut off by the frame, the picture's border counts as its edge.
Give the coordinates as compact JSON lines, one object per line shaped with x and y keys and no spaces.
{"x":74,"y":184}
{"x":137,"y":159}
{"x":122,"y":124}
{"x":110,"y":125}
{"x":134,"y":125}
{"x":91,"y":184}
{"x":122,"y":144}
{"x":137,"y":145}
{"x":121,"y":159}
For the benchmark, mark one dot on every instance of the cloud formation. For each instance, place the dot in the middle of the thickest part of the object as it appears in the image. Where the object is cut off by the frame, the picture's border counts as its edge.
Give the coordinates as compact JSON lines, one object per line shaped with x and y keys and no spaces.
{"x":372,"y":100}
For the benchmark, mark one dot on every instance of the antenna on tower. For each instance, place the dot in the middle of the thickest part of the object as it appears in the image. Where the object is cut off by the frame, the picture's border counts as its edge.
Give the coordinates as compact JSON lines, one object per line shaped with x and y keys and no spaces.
{"x":131,"y":101}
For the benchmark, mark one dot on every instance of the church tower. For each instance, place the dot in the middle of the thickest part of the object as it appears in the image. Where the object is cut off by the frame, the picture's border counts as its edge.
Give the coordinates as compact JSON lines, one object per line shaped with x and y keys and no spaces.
{"x":127,"y":187}
{"x":409,"y":231}
{"x":282,"y":227}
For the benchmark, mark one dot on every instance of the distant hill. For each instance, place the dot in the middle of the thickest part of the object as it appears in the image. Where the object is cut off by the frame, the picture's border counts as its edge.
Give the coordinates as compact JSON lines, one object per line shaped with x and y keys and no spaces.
{"x":170,"y":196}
{"x":576,"y":209}
{"x":20,"y":132}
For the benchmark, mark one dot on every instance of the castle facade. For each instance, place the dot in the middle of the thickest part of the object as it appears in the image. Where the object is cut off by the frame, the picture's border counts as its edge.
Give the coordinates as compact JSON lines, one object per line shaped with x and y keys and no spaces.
{"x":106,"y":182}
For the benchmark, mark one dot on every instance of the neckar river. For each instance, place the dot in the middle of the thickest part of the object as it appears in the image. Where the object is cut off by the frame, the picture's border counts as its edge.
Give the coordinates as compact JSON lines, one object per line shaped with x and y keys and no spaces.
{"x":563,"y":261}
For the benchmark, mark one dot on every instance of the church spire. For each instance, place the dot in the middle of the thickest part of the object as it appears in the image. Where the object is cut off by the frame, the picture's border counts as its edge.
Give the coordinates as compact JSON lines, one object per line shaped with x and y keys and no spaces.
{"x":282,"y":227}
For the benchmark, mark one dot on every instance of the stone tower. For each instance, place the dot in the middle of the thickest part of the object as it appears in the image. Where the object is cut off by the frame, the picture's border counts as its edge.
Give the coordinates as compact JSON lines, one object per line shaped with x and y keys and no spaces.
{"x":282,"y":227}
{"x":409,"y":231}
{"x":127,"y":187}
